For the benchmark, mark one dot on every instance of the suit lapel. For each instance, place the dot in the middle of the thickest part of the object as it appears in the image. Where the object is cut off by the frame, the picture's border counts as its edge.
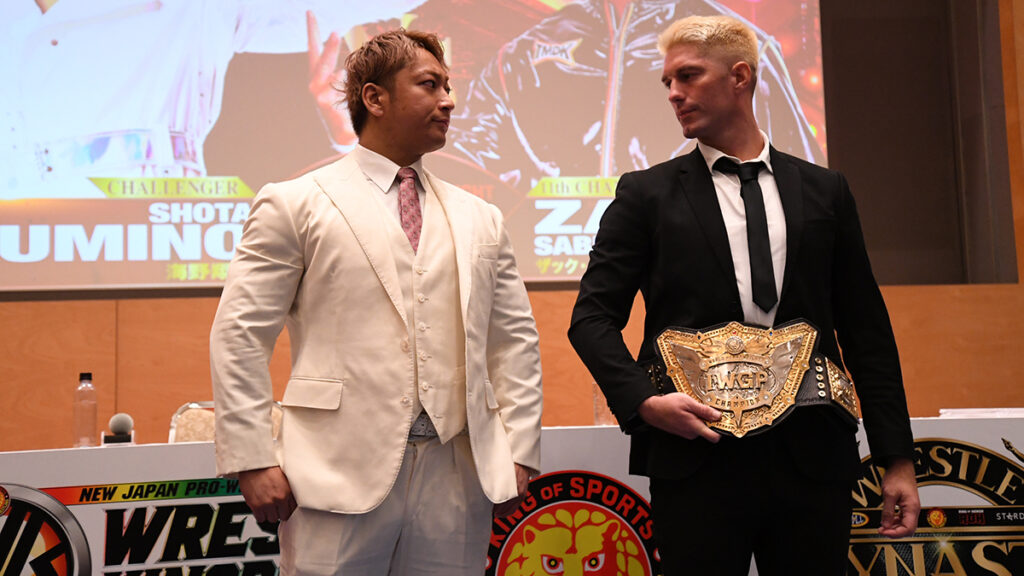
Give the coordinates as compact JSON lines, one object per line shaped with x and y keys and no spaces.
{"x":699,"y":191}
{"x":461,"y":226}
{"x":787,"y":178}
{"x":350,"y":191}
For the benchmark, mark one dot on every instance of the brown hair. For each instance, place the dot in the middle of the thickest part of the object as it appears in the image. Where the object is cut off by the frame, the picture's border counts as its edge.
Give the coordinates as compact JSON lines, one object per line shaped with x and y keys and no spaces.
{"x":378,"y":61}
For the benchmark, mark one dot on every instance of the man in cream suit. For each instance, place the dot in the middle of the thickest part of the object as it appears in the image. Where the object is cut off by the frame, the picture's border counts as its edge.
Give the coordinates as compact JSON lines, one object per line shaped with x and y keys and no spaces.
{"x":413,"y":408}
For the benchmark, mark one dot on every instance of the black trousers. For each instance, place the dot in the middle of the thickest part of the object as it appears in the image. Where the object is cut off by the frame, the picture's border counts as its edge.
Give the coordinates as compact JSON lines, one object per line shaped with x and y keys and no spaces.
{"x":752,"y":497}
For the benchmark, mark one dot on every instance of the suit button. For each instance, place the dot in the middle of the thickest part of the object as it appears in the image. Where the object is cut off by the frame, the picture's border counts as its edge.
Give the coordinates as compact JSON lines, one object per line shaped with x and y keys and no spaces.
{"x":421,"y":298}
{"x":424,"y":356}
{"x":420,"y":270}
{"x":405,"y":345}
{"x":422,"y":327}
{"x":405,"y":401}
{"x":425,"y":386}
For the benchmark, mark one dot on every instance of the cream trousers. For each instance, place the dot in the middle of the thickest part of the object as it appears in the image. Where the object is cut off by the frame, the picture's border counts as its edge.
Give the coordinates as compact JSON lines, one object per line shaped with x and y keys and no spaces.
{"x":435,"y":521}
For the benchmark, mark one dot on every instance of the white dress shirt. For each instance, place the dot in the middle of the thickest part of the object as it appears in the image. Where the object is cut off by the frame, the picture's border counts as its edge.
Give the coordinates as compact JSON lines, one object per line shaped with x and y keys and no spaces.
{"x":727,"y":187}
{"x":384,"y":174}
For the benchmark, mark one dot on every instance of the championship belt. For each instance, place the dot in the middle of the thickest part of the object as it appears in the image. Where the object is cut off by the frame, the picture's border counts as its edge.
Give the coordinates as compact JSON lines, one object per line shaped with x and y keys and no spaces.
{"x":754,"y":376}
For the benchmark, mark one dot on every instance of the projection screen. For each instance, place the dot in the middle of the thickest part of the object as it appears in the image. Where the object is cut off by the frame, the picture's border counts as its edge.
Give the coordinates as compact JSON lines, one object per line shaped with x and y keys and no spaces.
{"x":134,"y":134}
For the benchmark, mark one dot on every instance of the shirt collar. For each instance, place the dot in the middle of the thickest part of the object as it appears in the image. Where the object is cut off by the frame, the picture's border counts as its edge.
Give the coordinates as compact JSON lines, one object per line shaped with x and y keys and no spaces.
{"x":380,"y":169}
{"x":713,"y":154}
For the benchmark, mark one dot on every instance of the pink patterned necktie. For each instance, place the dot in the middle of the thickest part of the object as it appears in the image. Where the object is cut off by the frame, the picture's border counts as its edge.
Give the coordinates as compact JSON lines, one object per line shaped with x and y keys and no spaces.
{"x":409,"y":206}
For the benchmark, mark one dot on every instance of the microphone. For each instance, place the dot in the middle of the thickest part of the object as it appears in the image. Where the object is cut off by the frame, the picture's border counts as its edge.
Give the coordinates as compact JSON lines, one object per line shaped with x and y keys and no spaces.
{"x":121,"y":431}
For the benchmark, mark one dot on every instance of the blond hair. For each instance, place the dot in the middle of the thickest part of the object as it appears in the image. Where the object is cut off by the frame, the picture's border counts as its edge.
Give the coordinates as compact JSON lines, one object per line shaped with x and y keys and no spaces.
{"x":378,"y":61}
{"x":723,"y":37}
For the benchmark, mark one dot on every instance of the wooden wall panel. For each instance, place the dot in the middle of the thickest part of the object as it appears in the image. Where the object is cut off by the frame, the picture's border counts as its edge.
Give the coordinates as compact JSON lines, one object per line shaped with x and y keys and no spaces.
{"x":164,"y":361}
{"x":570,"y":396}
{"x":959,"y":345}
{"x":43,"y":347}
{"x":567,"y":390}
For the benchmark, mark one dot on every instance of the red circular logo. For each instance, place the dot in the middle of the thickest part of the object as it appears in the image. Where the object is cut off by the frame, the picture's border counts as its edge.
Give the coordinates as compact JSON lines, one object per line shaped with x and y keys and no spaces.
{"x":5,"y":501}
{"x":936,"y":518}
{"x":575,"y":523}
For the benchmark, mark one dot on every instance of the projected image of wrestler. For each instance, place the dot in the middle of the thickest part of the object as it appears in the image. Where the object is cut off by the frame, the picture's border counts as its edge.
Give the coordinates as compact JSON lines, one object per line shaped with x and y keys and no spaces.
{"x":572,"y":96}
{"x":543,"y":127}
{"x":473,"y":30}
{"x":115,"y":88}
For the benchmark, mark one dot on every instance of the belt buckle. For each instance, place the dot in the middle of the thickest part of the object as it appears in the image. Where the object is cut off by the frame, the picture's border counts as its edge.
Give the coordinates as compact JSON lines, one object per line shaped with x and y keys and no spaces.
{"x":752,"y":375}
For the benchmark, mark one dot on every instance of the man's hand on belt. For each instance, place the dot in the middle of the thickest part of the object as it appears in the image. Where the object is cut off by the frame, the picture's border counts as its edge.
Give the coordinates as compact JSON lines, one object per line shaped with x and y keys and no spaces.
{"x":680,"y":414}
{"x":268,"y":493}
{"x":899,"y":488}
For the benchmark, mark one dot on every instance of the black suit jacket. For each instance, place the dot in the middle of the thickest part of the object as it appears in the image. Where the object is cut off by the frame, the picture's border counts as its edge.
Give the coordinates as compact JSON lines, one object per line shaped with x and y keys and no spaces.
{"x":664,"y":235}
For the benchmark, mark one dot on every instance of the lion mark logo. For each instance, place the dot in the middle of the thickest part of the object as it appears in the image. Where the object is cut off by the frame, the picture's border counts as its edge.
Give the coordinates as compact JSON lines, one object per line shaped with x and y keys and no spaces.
{"x":587,"y":542}
{"x":568,"y":533}
{"x":5,"y":501}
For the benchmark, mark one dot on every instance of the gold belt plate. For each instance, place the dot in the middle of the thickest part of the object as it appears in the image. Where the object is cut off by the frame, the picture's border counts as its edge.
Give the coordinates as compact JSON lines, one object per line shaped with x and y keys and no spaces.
{"x":750,"y":374}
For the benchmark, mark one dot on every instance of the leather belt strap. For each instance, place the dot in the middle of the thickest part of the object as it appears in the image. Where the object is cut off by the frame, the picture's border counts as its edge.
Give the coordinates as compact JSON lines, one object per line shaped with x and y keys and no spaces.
{"x":422,"y":427}
{"x":754,"y":376}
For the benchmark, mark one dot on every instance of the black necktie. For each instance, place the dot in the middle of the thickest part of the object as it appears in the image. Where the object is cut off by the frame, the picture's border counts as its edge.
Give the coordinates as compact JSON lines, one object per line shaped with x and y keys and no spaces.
{"x":762,"y":274}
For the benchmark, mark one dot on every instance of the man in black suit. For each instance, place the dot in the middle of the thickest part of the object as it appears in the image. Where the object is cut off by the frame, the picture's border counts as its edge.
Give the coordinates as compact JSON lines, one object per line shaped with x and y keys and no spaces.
{"x":703,"y":252}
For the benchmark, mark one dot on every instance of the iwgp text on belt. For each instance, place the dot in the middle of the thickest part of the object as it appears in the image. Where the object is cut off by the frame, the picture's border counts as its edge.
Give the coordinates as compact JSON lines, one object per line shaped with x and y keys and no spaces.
{"x":755,"y":376}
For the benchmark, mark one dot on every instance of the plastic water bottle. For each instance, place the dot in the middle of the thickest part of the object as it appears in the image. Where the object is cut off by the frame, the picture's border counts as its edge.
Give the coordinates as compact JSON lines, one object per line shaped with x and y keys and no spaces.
{"x":85,"y":430}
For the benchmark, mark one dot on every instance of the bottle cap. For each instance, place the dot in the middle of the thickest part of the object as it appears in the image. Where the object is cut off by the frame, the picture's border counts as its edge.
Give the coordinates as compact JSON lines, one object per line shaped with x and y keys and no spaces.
{"x":85,"y":376}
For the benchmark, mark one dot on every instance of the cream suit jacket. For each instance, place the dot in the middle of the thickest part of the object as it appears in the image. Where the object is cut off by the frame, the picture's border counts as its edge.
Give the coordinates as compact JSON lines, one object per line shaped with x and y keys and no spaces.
{"x":313,"y":256}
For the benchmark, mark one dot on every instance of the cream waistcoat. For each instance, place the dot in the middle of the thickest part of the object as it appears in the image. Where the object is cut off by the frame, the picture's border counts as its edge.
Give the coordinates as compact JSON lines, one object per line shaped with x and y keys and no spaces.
{"x":430,"y":293}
